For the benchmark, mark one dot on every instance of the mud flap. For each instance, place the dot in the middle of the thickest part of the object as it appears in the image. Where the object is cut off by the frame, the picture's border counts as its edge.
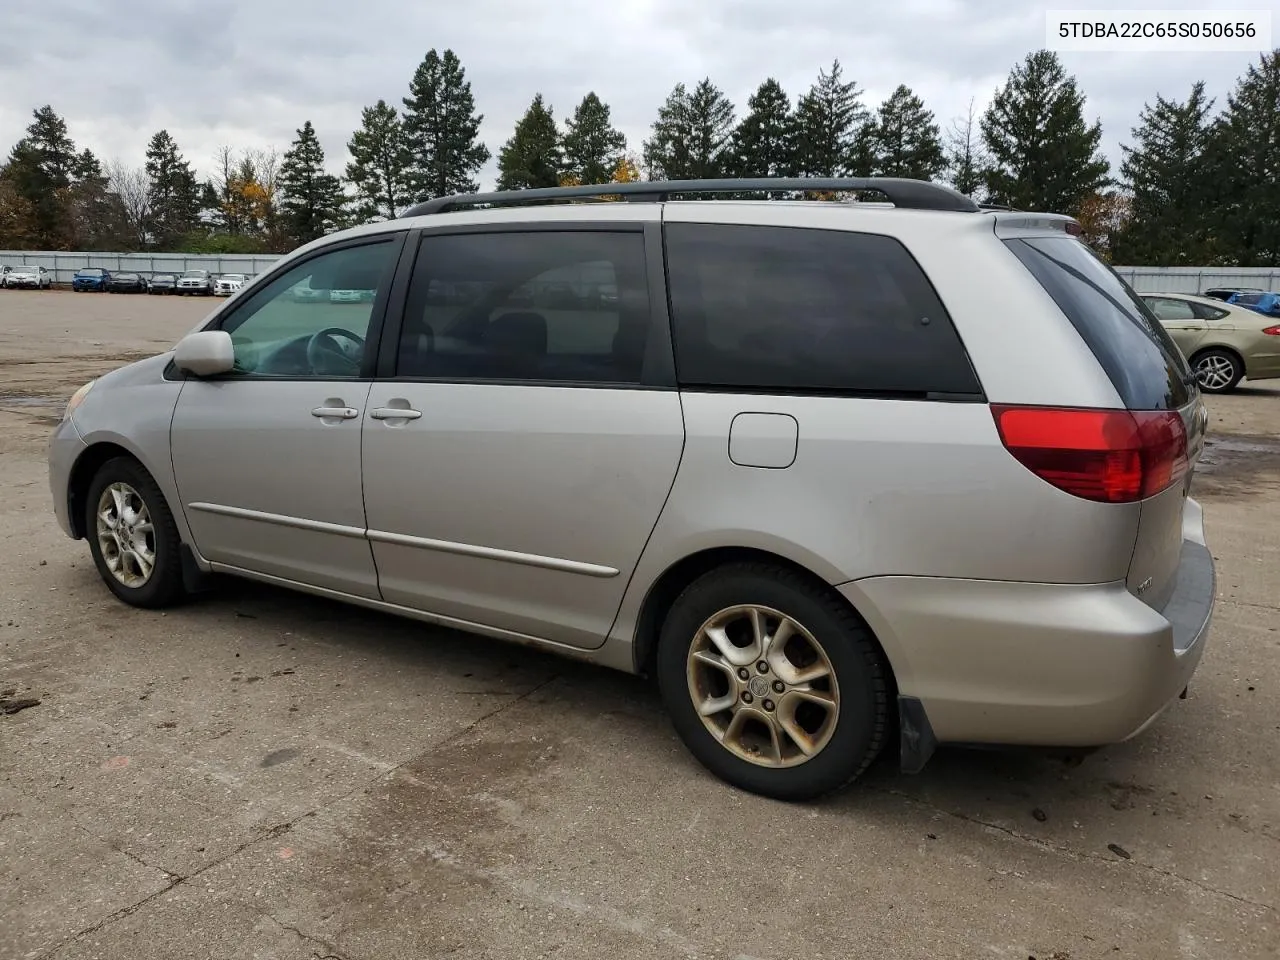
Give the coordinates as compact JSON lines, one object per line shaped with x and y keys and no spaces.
{"x":916,"y":739}
{"x":194,"y":579}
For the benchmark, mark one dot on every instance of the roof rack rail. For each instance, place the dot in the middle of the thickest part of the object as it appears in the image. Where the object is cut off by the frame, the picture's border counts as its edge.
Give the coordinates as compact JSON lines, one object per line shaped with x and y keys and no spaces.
{"x":908,"y":194}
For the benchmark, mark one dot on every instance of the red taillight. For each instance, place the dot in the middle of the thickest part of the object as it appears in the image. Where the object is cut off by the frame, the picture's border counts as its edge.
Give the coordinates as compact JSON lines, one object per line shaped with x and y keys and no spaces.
{"x":1272,"y":331}
{"x":1112,"y":456}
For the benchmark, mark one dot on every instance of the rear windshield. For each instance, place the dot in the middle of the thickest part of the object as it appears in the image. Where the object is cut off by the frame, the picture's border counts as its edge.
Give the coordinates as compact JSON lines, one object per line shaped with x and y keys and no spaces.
{"x":1144,"y":364}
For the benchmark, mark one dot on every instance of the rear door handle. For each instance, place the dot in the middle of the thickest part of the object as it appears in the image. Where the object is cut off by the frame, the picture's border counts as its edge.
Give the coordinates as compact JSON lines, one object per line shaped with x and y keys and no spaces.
{"x":394,"y":413}
{"x":335,"y":413}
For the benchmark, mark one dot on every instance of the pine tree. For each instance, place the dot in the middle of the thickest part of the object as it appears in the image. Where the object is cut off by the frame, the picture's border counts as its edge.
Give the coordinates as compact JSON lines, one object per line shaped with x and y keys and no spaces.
{"x":692,"y":137}
{"x":95,"y":217}
{"x":173,"y":192}
{"x":592,"y":147}
{"x":1245,"y":161}
{"x":379,"y":167}
{"x":829,"y":121}
{"x":1043,"y":155}
{"x":442,"y":129}
{"x":966,"y":158}
{"x":531,"y":158}
{"x":904,"y":139}
{"x":17,"y":215}
{"x":764,"y":142}
{"x":1165,"y":173}
{"x":312,"y":199}
{"x":42,"y":166}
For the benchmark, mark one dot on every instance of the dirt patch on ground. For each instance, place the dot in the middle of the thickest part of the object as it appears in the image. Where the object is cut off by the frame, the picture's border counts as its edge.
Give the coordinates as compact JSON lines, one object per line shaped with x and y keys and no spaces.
{"x":1238,"y":465}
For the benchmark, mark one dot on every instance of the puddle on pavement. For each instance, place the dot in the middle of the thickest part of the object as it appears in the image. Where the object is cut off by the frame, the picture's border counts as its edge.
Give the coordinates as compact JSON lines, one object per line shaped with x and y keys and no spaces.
{"x":1238,"y":465}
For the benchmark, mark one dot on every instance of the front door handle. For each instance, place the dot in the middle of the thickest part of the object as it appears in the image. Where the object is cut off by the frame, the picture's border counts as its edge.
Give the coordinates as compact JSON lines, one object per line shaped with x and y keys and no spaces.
{"x":335,"y":413}
{"x":394,"y":413}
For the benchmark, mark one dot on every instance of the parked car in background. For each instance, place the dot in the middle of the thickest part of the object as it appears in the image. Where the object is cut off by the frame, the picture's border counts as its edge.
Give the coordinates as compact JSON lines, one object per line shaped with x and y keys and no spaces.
{"x":127,"y":283}
{"x":1226,"y":293}
{"x":162,"y":283}
{"x":196,"y":283}
{"x":4,"y":273}
{"x":1265,"y":303}
{"x":90,"y":279}
{"x":303,"y":293}
{"x":778,"y":473}
{"x":1223,"y":342}
{"x":350,"y":296}
{"x":228,"y":283}
{"x":35,"y":277}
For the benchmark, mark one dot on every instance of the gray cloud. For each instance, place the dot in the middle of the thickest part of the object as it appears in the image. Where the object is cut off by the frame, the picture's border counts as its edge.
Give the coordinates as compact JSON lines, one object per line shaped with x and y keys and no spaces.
{"x":248,"y":74}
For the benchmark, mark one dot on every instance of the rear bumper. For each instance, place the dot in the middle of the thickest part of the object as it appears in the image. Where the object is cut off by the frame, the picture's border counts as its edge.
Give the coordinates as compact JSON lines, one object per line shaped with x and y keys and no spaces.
{"x":1070,"y":665}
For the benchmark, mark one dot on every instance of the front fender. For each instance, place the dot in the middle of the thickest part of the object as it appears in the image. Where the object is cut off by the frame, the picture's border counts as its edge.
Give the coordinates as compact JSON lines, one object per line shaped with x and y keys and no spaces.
{"x":132,"y":408}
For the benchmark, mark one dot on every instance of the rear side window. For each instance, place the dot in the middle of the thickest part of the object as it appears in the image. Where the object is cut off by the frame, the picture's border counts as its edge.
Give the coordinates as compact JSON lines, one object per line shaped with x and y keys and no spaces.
{"x":542,"y":306}
{"x":1206,"y":312}
{"x":788,"y":309}
{"x":1144,"y":364}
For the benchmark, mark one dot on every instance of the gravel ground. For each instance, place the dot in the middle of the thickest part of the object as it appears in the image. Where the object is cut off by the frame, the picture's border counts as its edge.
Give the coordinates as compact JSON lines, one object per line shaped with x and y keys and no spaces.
{"x":262,"y":774}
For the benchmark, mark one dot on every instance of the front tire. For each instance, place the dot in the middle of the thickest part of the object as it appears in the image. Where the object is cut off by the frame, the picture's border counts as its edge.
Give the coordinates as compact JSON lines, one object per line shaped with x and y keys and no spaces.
{"x":772,"y":682}
{"x":132,"y":535}
{"x":1217,"y":370}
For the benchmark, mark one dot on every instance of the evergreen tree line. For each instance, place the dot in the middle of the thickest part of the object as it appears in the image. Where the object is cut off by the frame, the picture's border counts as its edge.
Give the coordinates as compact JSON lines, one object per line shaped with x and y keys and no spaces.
{"x":1197,"y":184}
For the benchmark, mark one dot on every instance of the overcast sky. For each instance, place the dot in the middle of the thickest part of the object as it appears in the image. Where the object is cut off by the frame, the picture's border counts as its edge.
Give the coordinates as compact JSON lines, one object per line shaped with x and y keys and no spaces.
{"x":248,"y":74}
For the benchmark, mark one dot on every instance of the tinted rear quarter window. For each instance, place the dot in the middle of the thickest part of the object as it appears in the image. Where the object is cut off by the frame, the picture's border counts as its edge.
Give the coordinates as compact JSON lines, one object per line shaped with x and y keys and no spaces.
{"x":789,"y":309}
{"x":1142,"y":361}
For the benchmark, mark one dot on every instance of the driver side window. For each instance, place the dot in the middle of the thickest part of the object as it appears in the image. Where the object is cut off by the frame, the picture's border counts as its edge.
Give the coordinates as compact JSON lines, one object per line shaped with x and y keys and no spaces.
{"x":312,"y":320}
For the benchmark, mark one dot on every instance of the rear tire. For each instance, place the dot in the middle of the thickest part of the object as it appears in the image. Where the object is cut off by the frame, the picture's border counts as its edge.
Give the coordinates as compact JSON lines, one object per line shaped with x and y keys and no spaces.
{"x":1217,"y":370}
{"x":792,"y":720}
{"x":132,"y":535}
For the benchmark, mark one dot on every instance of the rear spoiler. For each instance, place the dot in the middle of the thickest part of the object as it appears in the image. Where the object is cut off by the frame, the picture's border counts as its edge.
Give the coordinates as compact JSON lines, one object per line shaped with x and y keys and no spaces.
{"x":1009,"y":222}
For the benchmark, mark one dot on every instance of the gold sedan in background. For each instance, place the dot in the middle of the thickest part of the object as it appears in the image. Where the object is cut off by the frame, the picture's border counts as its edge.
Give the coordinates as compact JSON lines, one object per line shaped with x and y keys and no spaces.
{"x":1223,"y":343}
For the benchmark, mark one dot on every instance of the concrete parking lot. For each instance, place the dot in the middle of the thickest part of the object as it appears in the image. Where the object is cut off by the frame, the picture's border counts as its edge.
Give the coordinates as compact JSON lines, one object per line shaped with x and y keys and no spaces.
{"x":262,"y":774}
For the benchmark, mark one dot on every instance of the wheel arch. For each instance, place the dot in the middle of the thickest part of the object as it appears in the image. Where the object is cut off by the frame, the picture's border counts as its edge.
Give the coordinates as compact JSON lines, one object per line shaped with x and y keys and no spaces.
{"x":675,"y":578}
{"x":83,"y":471}
{"x":1221,"y":348}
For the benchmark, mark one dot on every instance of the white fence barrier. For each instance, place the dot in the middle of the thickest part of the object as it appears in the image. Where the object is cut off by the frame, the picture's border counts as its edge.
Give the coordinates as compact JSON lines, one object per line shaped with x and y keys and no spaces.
{"x":64,"y":264}
{"x":1198,"y":279}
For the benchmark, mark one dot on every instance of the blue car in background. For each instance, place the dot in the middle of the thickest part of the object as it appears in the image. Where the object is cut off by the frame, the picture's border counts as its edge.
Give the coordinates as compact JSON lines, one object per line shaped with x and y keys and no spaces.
{"x":1267,"y":304}
{"x":90,"y":278}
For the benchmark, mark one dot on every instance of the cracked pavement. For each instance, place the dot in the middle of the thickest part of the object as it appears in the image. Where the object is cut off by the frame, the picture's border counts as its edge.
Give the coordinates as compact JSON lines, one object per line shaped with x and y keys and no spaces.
{"x":266,"y":775}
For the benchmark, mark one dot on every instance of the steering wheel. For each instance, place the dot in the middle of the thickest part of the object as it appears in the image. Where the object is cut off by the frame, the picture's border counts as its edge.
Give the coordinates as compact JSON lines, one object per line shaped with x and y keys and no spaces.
{"x":324,"y":352}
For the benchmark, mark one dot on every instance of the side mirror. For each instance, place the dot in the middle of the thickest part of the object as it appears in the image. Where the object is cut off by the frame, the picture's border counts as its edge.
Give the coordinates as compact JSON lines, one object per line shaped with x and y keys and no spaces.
{"x":205,"y":353}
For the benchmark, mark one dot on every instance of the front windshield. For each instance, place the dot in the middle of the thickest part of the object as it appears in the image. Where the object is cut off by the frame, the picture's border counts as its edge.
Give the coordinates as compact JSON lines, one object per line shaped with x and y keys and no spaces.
{"x":91,"y":272}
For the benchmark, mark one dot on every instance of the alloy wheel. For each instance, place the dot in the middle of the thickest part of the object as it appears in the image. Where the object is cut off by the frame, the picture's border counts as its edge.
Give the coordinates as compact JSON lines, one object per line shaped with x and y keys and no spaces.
{"x":763,"y":686}
{"x":1215,"y":371}
{"x":126,"y":535}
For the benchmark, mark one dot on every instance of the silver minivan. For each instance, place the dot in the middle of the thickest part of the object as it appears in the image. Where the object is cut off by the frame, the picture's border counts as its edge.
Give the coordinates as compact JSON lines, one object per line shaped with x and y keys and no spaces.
{"x":837,"y":474}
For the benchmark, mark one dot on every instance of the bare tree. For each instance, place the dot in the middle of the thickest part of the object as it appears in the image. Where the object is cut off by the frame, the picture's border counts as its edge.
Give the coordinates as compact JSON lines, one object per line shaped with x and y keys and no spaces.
{"x":266,"y":171}
{"x":966,"y":156}
{"x":246,"y":183}
{"x":133,"y":188}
